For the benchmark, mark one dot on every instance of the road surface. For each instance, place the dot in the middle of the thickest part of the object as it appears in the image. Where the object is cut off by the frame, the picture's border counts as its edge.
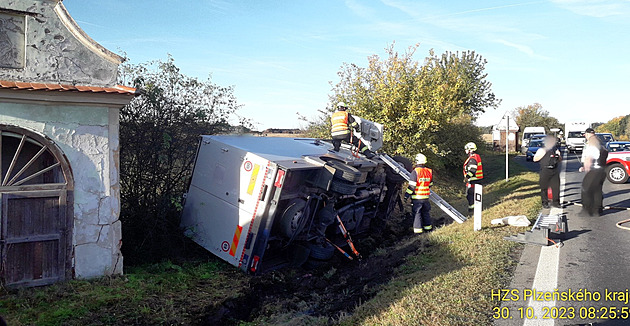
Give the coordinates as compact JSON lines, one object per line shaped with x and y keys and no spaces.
{"x":592,"y":268}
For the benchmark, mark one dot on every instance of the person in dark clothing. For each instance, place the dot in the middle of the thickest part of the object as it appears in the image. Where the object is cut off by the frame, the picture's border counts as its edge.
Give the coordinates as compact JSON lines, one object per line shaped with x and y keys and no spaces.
{"x":594,"y":158}
{"x":549,"y":157}
{"x":342,"y":122}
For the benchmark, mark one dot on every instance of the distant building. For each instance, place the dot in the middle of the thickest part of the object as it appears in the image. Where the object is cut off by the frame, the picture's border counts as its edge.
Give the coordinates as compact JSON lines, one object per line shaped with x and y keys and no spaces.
{"x":59,"y":166}
{"x":499,"y":135}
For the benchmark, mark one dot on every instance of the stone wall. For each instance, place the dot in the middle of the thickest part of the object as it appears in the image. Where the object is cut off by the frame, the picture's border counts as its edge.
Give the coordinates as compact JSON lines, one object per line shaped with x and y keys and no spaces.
{"x":88,"y":136}
{"x":40,"y":42}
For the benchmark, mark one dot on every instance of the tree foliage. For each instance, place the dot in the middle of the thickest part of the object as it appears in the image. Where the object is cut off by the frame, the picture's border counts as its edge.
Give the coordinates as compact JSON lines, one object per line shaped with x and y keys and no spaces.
{"x":159,"y":133}
{"x":619,"y":127}
{"x":425,"y":107}
{"x":534,"y":115}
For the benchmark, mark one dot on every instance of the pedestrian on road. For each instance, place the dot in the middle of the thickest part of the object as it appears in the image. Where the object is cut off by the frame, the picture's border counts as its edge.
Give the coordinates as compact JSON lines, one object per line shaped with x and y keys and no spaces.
{"x":549,"y":157}
{"x":419,"y":191}
{"x":473,"y":173}
{"x":594,"y":158}
{"x":342,"y":122}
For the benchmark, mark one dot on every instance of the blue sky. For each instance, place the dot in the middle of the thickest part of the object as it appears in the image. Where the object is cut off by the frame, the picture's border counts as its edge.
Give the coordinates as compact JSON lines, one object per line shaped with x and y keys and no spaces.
{"x":572,"y":56}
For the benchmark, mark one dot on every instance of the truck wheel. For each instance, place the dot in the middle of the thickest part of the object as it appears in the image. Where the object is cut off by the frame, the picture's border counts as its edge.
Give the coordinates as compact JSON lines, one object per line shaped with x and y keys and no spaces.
{"x":393,"y":176}
{"x":289,"y":222}
{"x":342,"y":187}
{"x":345,"y":172}
{"x":616,"y":173}
{"x":321,"y":251}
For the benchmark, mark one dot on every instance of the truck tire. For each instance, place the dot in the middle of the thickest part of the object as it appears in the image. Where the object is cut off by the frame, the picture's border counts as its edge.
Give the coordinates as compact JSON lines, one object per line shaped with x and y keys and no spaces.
{"x":395,"y":177}
{"x":291,"y":216}
{"x":342,"y":187}
{"x":616,"y":173}
{"x":321,"y":251}
{"x":344,"y":171}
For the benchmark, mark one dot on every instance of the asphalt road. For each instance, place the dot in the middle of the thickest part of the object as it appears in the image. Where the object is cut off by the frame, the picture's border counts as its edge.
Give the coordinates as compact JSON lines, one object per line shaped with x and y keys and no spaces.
{"x":595,"y":255}
{"x":593,"y":260}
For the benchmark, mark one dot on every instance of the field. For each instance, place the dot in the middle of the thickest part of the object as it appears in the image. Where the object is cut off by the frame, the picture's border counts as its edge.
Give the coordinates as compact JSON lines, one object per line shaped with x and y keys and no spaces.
{"x":441,"y":278}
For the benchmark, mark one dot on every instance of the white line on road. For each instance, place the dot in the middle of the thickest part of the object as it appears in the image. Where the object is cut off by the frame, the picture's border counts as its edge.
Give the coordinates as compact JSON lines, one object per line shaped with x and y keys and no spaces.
{"x":546,"y":278}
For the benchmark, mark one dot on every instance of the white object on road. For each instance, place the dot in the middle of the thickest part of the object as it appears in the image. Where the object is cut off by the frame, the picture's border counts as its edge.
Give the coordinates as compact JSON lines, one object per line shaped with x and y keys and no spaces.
{"x":478,"y":206}
{"x":519,"y":220}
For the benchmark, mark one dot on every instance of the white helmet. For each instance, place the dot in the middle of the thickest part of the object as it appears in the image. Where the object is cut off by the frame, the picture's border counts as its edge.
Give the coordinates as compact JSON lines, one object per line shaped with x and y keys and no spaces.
{"x":341,"y":105}
{"x":421,"y":159}
{"x":470,"y":147}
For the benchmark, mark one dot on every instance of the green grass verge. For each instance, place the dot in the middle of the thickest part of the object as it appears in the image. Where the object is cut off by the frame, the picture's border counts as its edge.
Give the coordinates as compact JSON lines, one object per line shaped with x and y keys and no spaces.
{"x":449,"y":283}
{"x":158,"y":294}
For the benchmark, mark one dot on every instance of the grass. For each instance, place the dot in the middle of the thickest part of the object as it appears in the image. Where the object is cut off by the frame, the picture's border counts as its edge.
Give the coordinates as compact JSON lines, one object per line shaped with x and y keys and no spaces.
{"x":450,"y":282}
{"x":157,"y":294}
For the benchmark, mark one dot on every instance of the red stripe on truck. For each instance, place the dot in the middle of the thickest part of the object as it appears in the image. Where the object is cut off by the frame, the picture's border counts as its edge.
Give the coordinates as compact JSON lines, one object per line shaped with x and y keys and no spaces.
{"x":237,"y":237}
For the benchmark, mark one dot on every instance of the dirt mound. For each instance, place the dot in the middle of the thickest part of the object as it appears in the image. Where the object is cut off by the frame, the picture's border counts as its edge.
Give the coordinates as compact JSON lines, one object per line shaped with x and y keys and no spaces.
{"x":330,"y":291}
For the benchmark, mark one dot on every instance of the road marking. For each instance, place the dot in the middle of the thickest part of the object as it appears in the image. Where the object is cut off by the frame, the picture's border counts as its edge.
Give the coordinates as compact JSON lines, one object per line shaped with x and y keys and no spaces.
{"x":546,"y":279}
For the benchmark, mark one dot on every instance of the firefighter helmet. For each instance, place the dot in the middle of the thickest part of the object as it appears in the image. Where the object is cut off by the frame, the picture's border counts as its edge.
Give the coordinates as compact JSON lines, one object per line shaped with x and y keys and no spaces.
{"x":421,"y":159}
{"x":470,"y":147}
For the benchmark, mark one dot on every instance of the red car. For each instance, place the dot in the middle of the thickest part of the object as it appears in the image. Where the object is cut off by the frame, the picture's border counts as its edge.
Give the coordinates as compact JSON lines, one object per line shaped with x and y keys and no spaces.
{"x":618,"y":163}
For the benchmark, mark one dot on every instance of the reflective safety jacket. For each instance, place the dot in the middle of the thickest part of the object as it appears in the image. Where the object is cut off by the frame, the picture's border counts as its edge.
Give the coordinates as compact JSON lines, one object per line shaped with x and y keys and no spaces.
{"x":420,"y":188}
{"x":341,"y":122}
{"x":473,"y":169}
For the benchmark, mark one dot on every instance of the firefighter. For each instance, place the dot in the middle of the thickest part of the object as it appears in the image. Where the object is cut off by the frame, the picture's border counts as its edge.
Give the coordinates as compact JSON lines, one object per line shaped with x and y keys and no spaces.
{"x":419,"y":191}
{"x":473,"y":173}
{"x":549,"y":158}
{"x":342,"y":122}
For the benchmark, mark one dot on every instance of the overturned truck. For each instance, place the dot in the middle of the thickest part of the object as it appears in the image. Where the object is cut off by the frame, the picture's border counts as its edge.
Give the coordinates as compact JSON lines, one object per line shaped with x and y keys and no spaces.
{"x":261,"y":203}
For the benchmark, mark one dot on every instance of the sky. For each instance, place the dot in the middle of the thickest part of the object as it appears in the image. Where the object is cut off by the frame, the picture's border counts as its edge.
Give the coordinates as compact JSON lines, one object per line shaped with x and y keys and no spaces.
{"x":571,"y":56}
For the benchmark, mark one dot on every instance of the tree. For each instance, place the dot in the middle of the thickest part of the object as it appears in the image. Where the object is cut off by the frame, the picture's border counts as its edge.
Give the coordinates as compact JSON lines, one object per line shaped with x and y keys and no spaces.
{"x":159,"y":133}
{"x":534,"y":115}
{"x":418,"y":102}
{"x":619,"y":127}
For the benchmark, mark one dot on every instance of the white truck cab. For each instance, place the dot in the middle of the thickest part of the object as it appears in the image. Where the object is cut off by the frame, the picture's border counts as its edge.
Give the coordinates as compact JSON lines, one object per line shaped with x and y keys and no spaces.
{"x":575,"y":139}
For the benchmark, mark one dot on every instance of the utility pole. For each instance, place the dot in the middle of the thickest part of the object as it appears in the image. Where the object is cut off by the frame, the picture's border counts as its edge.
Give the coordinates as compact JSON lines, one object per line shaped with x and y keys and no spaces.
{"x":507,"y":145}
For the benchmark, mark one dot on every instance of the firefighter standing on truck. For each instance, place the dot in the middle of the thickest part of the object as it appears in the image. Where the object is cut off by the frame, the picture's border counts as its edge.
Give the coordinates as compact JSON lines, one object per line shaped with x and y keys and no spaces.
{"x":473,"y":173}
{"x":341,"y":122}
{"x":419,"y":191}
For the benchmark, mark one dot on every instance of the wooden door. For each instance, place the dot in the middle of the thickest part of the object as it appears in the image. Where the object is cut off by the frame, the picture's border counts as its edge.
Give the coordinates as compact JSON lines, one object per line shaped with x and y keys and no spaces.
{"x":35,"y":210}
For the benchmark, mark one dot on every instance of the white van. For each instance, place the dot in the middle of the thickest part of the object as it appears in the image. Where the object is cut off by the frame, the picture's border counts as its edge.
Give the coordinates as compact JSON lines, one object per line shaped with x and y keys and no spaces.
{"x":574,"y":134}
{"x":528,"y":132}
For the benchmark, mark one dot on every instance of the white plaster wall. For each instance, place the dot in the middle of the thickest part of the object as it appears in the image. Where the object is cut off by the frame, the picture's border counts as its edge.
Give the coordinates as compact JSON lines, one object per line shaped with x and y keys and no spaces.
{"x":88,"y":136}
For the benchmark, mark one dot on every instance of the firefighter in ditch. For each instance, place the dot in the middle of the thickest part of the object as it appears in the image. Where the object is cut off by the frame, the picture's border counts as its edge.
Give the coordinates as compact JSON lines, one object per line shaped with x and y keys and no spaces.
{"x":473,"y":173}
{"x":549,"y":158}
{"x":419,"y":191}
{"x":342,"y":125}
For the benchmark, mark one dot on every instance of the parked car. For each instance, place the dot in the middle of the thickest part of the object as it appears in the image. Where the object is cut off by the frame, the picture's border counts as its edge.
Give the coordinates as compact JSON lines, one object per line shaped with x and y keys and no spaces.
{"x":618,"y":162}
{"x":528,"y":132}
{"x":605,"y":137}
{"x":534,"y":146}
{"x":537,"y":137}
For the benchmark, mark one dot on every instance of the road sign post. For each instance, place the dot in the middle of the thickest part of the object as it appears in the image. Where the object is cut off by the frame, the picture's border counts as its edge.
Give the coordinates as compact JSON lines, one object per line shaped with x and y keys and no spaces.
{"x":478,"y":206}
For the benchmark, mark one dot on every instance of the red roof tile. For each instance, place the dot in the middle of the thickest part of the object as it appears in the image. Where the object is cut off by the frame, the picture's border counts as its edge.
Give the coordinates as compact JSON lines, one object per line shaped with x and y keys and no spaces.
{"x":118,"y":89}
